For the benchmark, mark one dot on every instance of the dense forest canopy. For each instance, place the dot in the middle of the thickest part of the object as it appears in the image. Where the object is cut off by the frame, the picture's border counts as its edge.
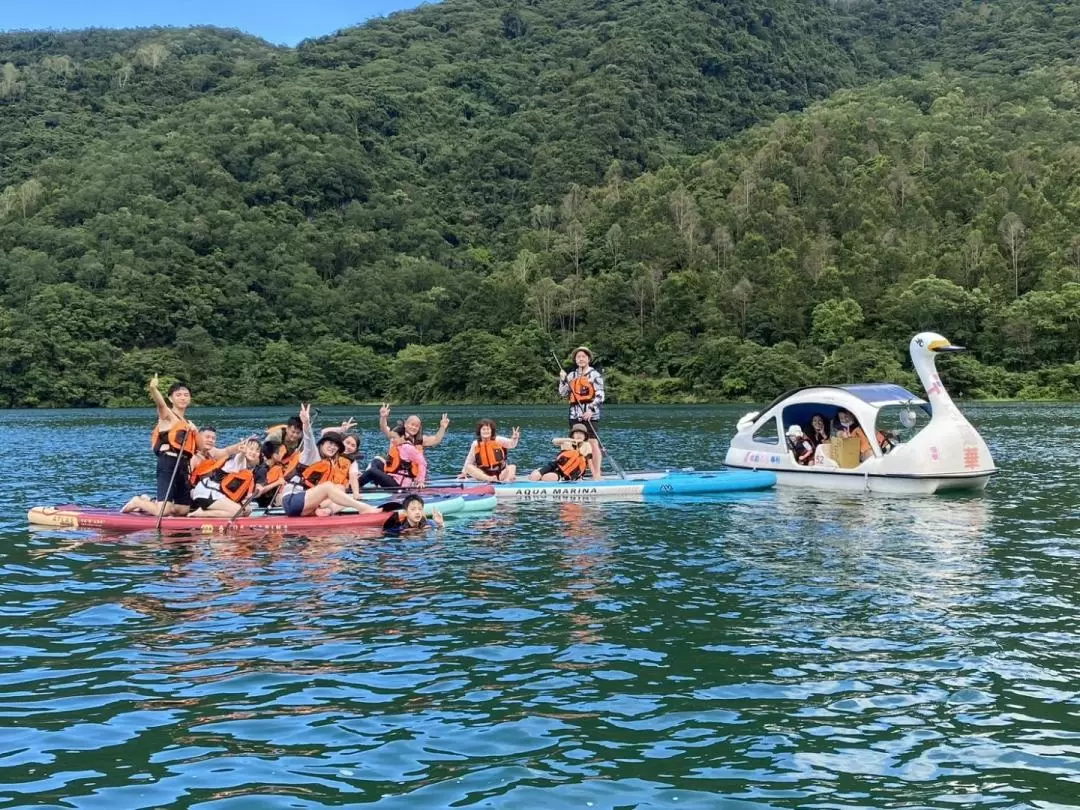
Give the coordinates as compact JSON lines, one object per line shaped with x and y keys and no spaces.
{"x":723,"y":198}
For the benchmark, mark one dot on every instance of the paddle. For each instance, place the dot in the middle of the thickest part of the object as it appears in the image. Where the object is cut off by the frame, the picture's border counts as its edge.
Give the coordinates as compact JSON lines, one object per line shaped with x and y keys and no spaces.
{"x":168,"y":492}
{"x":603,"y":450}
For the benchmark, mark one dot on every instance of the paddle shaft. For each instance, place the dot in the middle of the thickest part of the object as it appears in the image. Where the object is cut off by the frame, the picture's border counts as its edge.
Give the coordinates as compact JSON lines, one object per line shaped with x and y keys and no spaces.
{"x":168,"y":491}
{"x":603,"y":450}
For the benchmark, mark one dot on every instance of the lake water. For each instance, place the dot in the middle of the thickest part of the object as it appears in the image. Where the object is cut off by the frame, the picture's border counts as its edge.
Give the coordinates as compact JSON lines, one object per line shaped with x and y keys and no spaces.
{"x":773,"y":651}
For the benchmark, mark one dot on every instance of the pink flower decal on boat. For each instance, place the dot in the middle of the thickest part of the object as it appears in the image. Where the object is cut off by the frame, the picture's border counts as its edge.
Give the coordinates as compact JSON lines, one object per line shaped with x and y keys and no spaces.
{"x":971,"y":458}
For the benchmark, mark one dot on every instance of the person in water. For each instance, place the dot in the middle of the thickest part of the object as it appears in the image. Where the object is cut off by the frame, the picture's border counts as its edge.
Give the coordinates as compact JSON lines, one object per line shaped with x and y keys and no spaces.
{"x":411,"y":519}
{"x":572,"y":461}
{"x":584,"y":387}
{"x":174,"y":440}
{"x":488,"y":454}
{"x":310,"y":484}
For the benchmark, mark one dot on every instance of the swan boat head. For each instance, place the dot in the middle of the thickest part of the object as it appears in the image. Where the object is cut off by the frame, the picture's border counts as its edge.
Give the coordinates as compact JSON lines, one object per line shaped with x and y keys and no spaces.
{"x":949,"y":444}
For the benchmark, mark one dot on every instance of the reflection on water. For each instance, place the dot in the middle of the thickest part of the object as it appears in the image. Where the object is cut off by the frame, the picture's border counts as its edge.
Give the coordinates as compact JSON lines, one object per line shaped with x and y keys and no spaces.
{"x":784,"y":649}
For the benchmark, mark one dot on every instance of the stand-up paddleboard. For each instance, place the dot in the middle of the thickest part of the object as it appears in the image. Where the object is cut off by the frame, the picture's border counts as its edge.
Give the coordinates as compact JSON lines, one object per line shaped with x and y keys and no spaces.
{"x":637,"y":485}
{"x":111,"y":520}
{"x":444,"y":489}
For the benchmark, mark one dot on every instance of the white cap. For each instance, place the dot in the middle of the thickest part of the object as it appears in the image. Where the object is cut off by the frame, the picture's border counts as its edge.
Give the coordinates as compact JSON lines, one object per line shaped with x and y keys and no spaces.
{"x":794,"y":430}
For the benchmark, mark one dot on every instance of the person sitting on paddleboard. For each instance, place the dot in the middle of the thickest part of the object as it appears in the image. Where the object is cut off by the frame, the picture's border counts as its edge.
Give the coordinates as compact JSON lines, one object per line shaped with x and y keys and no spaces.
{"x":405,"y":464}
{"x":411,"y":518}
{"x":222,"y":487}
{"x":311,"y":482}
{"x":584,"y":387}
{"x":487,"y":456}
{"x":572,"y":461}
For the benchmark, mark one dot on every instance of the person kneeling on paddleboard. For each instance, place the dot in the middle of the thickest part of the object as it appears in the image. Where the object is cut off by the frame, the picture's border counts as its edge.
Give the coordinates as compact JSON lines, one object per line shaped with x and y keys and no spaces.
{"x":311,"y":483}
{"x":411,"y":517}
{"x":572,"y":461}
{"x":487,"y":456}
{"x":584,"y":387}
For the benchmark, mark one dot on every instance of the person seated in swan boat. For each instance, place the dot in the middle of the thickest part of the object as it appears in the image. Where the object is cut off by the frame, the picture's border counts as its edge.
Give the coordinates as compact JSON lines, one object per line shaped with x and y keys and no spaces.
{"x":801,"y":447}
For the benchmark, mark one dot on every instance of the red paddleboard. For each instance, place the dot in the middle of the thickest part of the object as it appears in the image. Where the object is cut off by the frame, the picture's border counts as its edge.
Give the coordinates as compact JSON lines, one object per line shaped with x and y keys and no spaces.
{"x":111,"y":520}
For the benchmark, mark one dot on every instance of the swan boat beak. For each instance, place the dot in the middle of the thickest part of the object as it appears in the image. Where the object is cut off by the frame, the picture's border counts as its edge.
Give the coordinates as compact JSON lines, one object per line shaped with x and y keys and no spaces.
{"x":944,"y":346}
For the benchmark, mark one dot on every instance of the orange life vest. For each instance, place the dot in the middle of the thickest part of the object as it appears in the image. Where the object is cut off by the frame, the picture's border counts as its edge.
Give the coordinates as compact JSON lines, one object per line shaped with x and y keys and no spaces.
{"x":235,"y":486}
{"x":490,"y":456}
{"x":315,"y":474}
{"x":340,"y":472}
{"x":396,"y":465}
{"x":582,"y":391}
{"x":289,"y":461}
{"x":571,"y":464}
{"x":179,"y":438}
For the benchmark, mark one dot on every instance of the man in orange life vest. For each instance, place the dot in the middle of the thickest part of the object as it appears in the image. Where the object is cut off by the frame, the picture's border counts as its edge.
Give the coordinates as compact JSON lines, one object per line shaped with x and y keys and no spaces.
{"x":584,"y":386}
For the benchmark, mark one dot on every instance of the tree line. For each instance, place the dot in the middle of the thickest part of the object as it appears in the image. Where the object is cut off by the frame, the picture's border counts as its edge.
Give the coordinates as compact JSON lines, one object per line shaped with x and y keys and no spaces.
{"x":425,"y":207}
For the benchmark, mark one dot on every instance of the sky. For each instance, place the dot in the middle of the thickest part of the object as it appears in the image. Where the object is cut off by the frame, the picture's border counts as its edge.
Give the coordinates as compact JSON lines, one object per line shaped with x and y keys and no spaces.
{"x":278,"y":21}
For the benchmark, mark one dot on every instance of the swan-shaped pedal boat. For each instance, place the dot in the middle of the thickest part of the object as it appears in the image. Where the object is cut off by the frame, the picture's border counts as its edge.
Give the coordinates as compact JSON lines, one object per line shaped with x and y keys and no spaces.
{"x":882,"y":449}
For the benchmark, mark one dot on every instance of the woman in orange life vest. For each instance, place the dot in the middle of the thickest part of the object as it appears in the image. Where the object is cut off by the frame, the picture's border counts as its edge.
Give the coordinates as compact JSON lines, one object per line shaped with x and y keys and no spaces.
{"x":486,"y":459}
{"x":309,"y":486}
{"x":411,"y":431}
{"x":572,"y":461}
{"x":222,"y":487}
{"x":584,"y":387}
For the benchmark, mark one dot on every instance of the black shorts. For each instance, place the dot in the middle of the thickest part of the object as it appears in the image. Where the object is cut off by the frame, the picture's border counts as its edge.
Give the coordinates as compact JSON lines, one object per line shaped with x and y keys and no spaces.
{"x":552,"y":467}
{"x":180,"y":492}
{"x":589,"y":429}
{"x":201,"y":503}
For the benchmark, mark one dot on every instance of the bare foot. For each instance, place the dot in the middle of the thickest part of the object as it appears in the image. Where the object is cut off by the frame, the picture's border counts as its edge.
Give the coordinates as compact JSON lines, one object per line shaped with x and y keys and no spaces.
{"x":322,"y":511}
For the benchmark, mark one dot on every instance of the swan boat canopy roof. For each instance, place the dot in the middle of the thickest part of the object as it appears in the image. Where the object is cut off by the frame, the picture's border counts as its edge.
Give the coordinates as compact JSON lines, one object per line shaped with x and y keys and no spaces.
{"x":877,"y":395}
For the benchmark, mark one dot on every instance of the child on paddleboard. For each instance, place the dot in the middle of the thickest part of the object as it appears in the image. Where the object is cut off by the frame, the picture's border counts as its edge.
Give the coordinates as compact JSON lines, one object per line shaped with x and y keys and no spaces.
{"x":573,"y":460}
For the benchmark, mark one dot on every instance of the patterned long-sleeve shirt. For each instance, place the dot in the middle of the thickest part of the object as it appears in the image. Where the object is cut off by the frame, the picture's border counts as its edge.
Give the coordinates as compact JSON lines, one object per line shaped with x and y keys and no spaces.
{"x":595,"y":380}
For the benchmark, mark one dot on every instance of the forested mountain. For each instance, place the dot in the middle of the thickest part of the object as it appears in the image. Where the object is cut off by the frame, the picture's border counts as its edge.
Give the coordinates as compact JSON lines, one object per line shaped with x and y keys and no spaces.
{"x":418,"y":208}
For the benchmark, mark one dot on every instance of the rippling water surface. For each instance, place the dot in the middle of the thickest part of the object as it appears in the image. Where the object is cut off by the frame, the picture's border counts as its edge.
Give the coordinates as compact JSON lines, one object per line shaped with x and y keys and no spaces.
{"x":780,"y":650}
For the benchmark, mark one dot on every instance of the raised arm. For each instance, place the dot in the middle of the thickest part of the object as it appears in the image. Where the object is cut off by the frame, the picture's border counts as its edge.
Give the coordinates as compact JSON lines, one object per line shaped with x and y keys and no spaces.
{"x":512,"y":442}
{"x":384,"y":416}
{"x":564,"y":384}
{"x":309,"y":451}
{"x":164,"y":412}
{"x":431,"y":441}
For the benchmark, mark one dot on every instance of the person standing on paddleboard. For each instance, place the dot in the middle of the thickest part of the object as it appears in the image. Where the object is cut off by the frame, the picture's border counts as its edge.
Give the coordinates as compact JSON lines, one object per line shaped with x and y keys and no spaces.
{"x":584,"y":387}
{"x":174,"y":440}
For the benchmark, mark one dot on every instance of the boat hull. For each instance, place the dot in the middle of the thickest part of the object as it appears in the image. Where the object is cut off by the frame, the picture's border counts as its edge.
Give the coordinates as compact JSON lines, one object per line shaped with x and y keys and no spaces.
{"x":889,"y":484}
{"x":638,"y":486}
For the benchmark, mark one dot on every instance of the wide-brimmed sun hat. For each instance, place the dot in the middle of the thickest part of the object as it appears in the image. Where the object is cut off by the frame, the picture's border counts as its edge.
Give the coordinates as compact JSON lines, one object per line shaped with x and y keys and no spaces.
{"x":794,"y":430}
{"x":585,"y":349}
{"x":335,"y":437}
